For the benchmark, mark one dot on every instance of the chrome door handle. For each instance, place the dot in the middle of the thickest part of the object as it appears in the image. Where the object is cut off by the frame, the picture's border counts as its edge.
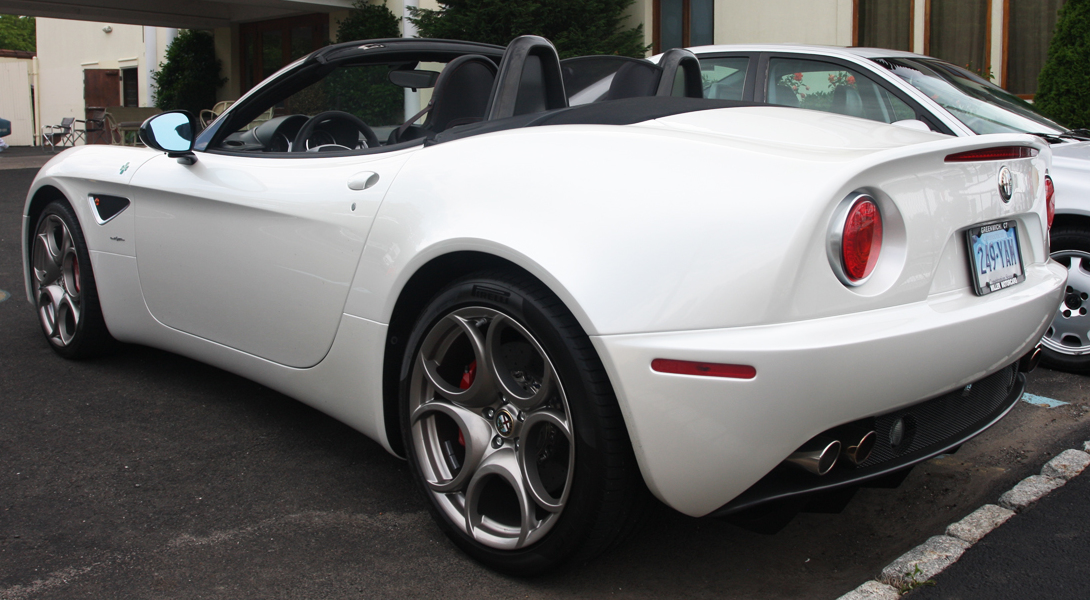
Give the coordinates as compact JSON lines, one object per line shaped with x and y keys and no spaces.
{"x":362,"y":180}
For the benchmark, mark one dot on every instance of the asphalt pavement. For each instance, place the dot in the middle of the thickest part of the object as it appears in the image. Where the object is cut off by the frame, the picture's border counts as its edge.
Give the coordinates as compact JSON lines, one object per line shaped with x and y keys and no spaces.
{"x":147,"y":475}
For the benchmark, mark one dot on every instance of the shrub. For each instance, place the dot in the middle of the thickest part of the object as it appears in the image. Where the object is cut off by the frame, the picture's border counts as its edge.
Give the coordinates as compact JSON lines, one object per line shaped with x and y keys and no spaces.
{"x":17,"y":33}
{"x":368,"y":22}
{"x":575,"y":27}
{"x":1063,"y":88}
{"x":378,"y":101}
{"x":191,"y":74}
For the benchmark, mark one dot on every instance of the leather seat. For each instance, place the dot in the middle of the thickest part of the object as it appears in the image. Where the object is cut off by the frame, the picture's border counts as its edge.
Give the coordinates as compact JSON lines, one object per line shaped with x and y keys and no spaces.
{"x":460,"y":96}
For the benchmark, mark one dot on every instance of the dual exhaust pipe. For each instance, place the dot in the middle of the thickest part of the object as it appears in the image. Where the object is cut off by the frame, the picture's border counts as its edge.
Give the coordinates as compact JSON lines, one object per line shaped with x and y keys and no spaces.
{"x":819,"y":455}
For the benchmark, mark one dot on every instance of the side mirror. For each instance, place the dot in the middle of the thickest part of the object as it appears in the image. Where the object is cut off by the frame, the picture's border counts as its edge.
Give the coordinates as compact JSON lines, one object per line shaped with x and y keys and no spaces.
{"x":912,"y":124}
{"x":172,"y":132}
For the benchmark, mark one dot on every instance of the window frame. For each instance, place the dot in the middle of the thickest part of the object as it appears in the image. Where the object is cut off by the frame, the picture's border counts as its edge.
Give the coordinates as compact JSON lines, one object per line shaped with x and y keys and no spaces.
{"x":686,"y":25}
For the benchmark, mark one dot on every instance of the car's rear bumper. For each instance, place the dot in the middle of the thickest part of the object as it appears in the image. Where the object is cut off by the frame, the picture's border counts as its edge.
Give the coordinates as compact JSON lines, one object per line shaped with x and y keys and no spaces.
{"x":703,"y":441}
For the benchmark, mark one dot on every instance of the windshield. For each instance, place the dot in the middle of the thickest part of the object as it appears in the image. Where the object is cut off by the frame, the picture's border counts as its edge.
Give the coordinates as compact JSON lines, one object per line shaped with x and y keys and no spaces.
{"x":980,"y":105}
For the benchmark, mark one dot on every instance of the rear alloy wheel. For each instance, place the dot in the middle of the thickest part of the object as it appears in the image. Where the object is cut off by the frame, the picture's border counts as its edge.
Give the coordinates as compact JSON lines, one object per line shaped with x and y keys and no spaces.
{"x":64,"y":285}
{"x":1067,"y":342}
{"x":511,"y":427}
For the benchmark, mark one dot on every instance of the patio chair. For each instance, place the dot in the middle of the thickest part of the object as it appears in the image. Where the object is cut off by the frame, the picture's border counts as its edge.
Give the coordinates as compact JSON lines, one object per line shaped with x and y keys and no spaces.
{"x":211,"y":114}
{"x":64,"y":135}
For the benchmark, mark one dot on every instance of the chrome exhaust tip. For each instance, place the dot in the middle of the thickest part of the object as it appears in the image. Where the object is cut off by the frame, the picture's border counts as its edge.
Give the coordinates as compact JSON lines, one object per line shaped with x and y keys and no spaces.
{"x":817,"y":456}
{"x":1030,"y":361}
{"x":860,"y":452}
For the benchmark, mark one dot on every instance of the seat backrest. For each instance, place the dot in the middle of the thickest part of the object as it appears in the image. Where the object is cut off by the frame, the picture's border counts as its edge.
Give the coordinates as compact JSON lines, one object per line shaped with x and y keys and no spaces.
{"x":846,"y":101}
{"x":529,"y":80}
{"x":461,"y":93}
{"x":680,"y":74}
{"x":67,"y":122}
{"x":782,"y":95}
{"x":634,"y":80}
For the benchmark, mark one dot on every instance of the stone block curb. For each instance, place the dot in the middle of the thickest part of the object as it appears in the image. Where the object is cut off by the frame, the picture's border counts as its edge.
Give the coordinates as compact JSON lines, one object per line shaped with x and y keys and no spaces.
{"x":1066,"y":465}
{"x":872,"y":590}
{"x":926,"y":560}
{"x":933,"y":556}
{"x":1029,"y":490}
{"x":980,"y":523}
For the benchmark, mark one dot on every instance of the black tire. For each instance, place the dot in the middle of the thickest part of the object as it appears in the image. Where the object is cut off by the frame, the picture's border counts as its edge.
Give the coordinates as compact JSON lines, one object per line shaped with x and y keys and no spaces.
{"x":64,"y":285}
{"x":604,"y":497}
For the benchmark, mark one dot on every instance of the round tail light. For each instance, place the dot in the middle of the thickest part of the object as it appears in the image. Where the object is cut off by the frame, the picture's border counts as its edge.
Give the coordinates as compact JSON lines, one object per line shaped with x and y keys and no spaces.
{"x":860,"y":239}
{"x":1050,"y":200}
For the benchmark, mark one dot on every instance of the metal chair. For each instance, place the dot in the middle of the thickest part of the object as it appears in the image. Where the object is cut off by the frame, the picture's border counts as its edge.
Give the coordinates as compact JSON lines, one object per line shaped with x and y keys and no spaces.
{"x":64,"y":135}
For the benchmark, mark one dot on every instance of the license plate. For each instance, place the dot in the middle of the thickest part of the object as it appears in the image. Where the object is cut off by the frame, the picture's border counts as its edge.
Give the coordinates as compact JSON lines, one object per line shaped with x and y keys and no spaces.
{"x":995,"y":259}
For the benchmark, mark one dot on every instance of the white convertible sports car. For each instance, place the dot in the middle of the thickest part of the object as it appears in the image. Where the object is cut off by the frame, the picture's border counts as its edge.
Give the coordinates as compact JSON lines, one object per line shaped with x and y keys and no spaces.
{"x":549,"y":309}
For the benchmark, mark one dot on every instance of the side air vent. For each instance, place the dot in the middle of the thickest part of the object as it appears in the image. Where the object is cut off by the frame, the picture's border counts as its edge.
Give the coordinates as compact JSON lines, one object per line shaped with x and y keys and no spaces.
{"x":106,"y":207}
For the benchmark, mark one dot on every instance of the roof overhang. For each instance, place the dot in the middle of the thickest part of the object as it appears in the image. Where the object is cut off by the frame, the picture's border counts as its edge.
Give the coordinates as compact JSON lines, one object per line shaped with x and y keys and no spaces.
{"x":189,"y":14}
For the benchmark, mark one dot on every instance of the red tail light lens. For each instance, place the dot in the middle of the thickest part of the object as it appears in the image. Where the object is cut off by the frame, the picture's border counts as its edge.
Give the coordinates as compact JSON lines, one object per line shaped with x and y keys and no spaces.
{"x":1050,"y":200}
{"x":1001,"y":153}
{"x":862,"y":239}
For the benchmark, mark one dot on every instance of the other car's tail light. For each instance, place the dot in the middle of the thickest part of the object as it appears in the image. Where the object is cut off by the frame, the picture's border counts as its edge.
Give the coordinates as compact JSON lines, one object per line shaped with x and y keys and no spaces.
{"x":1000,"y":153}
{"x":688,"y":367}
{"x":861,"y":239}
{"x":1050,"y":200}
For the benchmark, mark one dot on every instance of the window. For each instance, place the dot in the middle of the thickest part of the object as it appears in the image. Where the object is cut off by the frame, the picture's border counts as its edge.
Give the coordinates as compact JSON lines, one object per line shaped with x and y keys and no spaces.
{"x":1030,"y":24}
{"x":884,"y":24}
{"x":269,"y":45}
{"x":724,"y":78}
{"x":130,"y":93}
{"x":958,"y":32}
{"x":829,"y":87}
{"x":683,"y":23}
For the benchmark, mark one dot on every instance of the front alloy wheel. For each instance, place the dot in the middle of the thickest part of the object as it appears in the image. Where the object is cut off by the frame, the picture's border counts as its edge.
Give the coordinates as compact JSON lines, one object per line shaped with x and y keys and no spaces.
{"x":64,"y":285}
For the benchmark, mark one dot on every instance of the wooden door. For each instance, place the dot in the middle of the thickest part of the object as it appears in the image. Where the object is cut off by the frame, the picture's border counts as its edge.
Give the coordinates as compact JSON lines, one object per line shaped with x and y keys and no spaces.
{"x":101,"y":89}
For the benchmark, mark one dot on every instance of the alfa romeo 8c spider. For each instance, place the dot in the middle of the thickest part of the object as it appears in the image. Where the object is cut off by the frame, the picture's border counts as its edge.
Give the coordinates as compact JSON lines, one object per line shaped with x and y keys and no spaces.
{"x":557,"y":310}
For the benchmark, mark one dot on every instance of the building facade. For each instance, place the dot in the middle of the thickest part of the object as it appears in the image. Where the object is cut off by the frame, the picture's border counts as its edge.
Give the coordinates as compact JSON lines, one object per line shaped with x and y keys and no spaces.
{"x":87,"y":61}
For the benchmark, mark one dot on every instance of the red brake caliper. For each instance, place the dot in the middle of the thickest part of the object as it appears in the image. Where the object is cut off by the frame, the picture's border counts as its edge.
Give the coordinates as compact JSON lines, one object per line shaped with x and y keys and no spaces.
{"x":467,"y":380}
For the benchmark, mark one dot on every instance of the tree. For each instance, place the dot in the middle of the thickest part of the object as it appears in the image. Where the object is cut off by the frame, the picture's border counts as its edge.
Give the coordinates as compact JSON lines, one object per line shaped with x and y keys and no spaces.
{"x":367,"y":90}
{"x":17,"y":33}
{"x":1063,"y":88}
{"x":368,"y":22}
{"x":575,"y":27}
{"x":191,"y":74}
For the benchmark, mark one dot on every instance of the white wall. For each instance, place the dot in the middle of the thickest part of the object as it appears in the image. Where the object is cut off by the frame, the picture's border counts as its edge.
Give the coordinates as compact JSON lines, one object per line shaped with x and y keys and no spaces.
{"x":15,"y":100}
{"x":66,"y":48}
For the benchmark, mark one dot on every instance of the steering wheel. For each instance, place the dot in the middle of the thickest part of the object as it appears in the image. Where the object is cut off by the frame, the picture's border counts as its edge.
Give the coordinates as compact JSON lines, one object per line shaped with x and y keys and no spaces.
{"x":300,"y":143}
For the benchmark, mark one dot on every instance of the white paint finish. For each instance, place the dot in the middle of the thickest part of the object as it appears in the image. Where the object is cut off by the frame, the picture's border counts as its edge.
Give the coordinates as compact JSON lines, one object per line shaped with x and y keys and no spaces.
{"x":255,"y":253}
{"x":347,"y":385}
{"x":1070,"y":167}
{"x":663,"y":243}
{"x":783,"y":21}
{"x":15,"y":102}
{"x":701,"y":441}
{"x":710,"y":242}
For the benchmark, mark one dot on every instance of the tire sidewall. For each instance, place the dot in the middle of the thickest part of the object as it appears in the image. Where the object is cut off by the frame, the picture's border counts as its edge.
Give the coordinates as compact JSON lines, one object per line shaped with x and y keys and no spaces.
{"x":1062,"y":240}
{"x":576,"y":520}
{"x":88,"y":291}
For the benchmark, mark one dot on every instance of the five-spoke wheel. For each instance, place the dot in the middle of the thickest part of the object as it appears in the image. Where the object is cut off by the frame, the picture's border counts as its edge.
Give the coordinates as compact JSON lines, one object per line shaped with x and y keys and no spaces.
{"x":512,"y":429}
{"x":491,"y":427}
{"x":63,"y":285}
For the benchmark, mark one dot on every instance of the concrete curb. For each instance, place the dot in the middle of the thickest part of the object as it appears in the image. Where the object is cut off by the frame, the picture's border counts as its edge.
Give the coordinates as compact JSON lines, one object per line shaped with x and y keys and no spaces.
{"x":930,"y":558}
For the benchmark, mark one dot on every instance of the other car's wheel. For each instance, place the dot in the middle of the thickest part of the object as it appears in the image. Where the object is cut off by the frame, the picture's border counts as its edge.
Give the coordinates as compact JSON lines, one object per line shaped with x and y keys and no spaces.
{"x":1067,"y":341}
{"x":64,"y":285}
{"x":512,"y":429}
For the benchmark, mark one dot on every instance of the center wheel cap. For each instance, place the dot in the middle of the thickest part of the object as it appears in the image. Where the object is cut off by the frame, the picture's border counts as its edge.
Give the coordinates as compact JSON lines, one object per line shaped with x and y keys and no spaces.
{"x":505,"y":422}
